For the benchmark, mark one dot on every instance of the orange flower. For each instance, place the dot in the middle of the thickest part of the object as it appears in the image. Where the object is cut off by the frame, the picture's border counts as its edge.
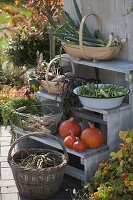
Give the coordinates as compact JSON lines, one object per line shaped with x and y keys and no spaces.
{"x":29,"y":3}
{"x":112,"y":177}
{"x":123,"y":176}
{"x":107,"y":170}
{"x":126,"y":145}
{"x":126,"y":181}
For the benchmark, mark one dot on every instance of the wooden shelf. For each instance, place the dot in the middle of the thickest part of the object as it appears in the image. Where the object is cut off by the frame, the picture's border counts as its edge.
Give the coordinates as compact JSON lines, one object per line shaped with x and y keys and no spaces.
{"x":48,"y":141}
{"x":42,"y":94}
{"x":74,"y":172}
{"x":122,"y":66}
{"x":122,"y":107}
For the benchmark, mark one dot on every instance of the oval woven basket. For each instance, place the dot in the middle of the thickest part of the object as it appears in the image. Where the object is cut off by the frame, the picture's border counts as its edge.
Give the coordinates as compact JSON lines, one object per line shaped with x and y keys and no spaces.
{"x":38,"y":183}
{"x":91,"y":53}
{"x":55,"y":87}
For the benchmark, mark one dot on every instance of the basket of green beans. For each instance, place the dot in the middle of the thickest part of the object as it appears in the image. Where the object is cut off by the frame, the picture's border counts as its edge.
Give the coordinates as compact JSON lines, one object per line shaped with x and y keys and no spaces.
{"x":101,"y":96}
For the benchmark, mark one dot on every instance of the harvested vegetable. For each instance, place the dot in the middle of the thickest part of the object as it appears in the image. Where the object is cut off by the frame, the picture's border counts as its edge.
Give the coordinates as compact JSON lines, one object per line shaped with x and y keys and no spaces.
{"x":79,"y":146}
{"x":38,"y":161}
{"x":29,"y":115}
{"x":92,"y":137}
{"x":67,"y":31}
{"x":102,"y":91}
{"x":39,"y":123}
{"x":69,"y":141}
{"x":69,"y":127}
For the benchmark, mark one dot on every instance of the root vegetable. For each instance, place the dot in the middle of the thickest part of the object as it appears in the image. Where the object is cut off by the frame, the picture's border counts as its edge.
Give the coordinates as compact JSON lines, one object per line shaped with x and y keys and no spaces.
{"x":59,"y":78}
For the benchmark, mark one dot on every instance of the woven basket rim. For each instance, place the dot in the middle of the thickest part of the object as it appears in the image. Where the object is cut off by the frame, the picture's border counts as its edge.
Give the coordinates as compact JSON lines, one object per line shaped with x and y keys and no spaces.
{"x":12,"y":163}
{"x":88,"y":47}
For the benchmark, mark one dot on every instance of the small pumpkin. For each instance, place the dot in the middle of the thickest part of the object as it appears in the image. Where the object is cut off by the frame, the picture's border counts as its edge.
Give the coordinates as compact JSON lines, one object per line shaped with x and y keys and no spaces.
{"x":92,"y":137}
{"x":79,"y":146}
{"x":69,"y":141}
{"x":69,"y":126}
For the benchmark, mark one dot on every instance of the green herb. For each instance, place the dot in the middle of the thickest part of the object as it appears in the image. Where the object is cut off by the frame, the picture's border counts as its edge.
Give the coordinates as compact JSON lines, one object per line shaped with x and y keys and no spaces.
{"x":102,"y":91}
{"x":11,"y":116}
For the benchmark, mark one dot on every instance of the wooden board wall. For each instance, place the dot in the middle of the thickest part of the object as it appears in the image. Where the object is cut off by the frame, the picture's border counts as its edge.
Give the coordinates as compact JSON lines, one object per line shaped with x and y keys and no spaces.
{"x":112,"y":16}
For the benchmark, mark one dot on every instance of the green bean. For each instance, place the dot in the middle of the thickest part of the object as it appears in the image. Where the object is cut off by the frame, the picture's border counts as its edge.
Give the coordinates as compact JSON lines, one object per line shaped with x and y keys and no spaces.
{"x":107,"y":91}
{"x":104,"y":93}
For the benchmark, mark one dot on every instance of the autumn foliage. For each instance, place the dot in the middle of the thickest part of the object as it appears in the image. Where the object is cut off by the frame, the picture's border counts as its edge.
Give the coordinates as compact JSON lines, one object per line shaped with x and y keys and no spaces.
{"x":114,"y":179}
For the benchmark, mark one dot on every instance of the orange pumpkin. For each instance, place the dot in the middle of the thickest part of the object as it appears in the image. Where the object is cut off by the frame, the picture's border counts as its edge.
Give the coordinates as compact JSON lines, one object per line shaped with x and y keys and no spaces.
{"x":69,"y":126}
{"x":69,"y":141}
{"x":79,"y":146}
{"x":92,"y":137}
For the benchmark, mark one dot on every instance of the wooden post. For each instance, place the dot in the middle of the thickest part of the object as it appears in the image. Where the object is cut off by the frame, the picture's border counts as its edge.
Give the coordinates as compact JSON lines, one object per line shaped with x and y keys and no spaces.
{"x":52,"y":46}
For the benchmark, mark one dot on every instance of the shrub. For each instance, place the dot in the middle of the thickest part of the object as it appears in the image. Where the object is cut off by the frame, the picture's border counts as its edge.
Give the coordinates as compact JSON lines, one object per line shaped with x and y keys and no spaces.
{"x":24,"y":45}
{"x":114,"y":179}
{"x":32,"y":33}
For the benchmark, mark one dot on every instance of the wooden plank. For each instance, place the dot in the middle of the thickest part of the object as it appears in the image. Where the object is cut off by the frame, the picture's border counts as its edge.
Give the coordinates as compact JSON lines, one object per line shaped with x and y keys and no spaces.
{"x":82,"y":113}
{"x":117,"y":122}
{"x":75,"y":172}
{"x":122,"y":66}
{"x":131,"y":103}
{"x":44,"y":95}
{"x":122,"y":107}
{"x":129,"y":29}
{"x":91,"y":164}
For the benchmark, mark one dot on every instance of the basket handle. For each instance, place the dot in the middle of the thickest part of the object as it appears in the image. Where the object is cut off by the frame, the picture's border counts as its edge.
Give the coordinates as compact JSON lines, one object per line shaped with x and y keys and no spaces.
{"x":36,"y":134}
{"x":100,"y":27}
{"x":49,"y":65}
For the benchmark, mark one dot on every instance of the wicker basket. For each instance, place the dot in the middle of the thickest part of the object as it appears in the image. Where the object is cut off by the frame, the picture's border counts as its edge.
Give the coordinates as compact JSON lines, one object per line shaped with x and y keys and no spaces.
{"x":54,"y":87}
{"x":91,"y":53}
{"x":48,"y":119}
{"x":38,"y":183}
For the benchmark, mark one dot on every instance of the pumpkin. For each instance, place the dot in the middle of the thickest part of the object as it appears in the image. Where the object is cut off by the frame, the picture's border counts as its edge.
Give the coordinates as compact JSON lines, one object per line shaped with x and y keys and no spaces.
{"x":69,"y":141}
{"x":69,"y":126}
{"x":79,"y":146}
{"x":92,"y":137}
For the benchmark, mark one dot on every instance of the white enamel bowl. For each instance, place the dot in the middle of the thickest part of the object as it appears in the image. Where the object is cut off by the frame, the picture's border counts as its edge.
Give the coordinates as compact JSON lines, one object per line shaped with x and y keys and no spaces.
{"x":99,"y":103}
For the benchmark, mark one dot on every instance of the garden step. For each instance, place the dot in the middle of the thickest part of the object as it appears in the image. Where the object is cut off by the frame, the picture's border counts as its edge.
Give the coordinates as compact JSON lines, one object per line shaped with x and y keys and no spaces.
{"x":11,"y":196}
{"x":6,"y":174}
{"x":8,"y":190}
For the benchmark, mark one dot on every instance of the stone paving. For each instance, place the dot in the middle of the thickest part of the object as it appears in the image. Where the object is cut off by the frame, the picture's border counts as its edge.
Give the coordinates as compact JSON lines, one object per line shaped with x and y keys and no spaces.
{"x":8,"y":189}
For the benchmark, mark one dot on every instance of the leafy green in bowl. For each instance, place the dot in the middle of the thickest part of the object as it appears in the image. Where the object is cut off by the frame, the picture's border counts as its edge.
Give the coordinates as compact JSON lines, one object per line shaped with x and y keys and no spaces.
{"x":102,"y":90}
{"x":101,"y":96}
